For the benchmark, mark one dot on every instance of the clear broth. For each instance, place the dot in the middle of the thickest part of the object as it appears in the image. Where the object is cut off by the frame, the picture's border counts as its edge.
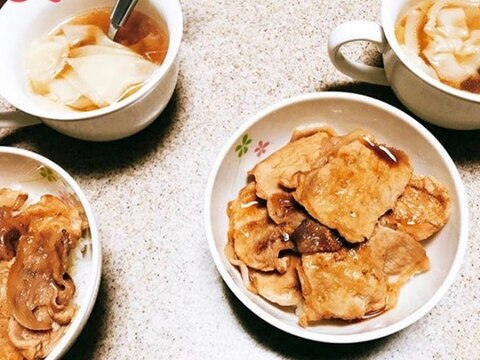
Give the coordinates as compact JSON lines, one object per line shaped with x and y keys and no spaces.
{"x":141,"y":33}
{"x":472,"y":13}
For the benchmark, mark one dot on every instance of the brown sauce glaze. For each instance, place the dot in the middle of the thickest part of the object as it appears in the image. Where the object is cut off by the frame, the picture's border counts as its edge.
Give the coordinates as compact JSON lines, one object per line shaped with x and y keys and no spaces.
{"x":370,"y":315}
{"x":390,"y":155}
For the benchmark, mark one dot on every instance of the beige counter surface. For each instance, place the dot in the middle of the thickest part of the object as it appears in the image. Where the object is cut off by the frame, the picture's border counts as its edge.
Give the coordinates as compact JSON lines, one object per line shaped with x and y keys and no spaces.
{"x":161,"y":296}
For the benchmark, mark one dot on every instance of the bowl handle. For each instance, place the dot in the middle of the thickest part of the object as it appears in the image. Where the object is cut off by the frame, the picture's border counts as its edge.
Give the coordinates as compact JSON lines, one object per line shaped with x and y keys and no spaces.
{"x":357,"y":31}
{"x":17,"y":119}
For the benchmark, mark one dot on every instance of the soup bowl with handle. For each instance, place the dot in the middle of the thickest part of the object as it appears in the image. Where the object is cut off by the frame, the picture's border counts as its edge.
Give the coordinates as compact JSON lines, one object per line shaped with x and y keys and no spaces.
{"x":423,"y":95}
{"x":23,"y":22}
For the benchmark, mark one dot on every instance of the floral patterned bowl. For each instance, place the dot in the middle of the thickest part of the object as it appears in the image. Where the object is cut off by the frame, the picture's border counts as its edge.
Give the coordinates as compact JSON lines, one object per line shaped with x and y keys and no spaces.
{"x":271,"y":129}
{"x":26,"y":171}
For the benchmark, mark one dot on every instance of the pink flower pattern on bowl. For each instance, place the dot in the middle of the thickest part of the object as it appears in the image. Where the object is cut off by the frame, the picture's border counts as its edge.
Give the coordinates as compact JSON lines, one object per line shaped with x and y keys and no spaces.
{"x":261,"y":147}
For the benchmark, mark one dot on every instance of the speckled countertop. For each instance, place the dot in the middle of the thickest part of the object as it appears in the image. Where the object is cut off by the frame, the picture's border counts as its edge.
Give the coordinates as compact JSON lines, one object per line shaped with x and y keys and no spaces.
{"x":161,"y":296}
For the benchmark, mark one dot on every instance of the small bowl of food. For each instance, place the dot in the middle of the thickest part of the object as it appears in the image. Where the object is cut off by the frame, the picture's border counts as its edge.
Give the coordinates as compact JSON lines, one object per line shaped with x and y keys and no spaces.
{"x":336,"y":217}
{"x":429,"y":51}
{"x":50,"y":257}
{"x":65,"y":71}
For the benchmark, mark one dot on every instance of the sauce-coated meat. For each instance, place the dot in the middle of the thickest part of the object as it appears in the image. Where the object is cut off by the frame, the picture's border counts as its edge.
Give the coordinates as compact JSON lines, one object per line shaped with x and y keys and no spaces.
{"x":331,"y":225}
{"x":347,"y":284}
{"x":422,"y":210}
{"x":255,"y":239}
{"x":283,"y":165}
{"x":311,"y":237}
{"x":39,"y":290}
{"x":363,"y":280}
{"x":403,"y":257}
{"x":10,"y":229}
{"x":282,"y":289}
{"x":354,"y":189}
{"x":283,"y":210}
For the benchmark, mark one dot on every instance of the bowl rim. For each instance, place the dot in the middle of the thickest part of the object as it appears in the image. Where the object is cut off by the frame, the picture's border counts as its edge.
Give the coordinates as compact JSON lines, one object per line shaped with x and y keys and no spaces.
{"x":338,"y":338}
{"x":84,"y":312}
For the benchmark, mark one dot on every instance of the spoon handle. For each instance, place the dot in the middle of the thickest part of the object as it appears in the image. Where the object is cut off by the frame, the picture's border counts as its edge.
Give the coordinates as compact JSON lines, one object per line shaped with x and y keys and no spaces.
{"x":120,"y":13}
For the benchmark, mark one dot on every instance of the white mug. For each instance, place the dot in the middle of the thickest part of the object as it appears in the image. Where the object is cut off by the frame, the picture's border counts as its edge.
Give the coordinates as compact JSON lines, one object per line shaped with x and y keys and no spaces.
{"x":423,"y":95}
{"x":23,"y":22}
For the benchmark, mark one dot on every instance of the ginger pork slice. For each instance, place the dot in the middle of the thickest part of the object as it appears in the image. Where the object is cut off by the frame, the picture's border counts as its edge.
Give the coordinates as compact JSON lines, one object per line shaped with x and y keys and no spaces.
{"x":422,"y":210}
{"x":403,"y":257}
{"x":11,"y":199}
{"x":282,"y":289}
{"x":355,"y":188}
{"x":254,"y":239}
{"x":312,"y":237}
{"x":364,"y":280}
{"x":10,"y":229}
{"x":283,"y":210}
{"x":347,"y":284}
{"x":301,"y":154}
{"x":7,"y":349}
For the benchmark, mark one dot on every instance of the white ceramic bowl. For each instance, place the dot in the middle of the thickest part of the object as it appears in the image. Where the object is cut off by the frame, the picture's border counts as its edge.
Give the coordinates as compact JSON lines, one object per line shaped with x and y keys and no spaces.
{"x":36,"y":175}
{"x":33,"y":19}
{"x":344,"y":112}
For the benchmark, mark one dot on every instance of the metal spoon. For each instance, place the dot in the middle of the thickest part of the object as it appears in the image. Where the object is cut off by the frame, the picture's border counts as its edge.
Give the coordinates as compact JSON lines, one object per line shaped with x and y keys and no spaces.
{"x":120,"y":14}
